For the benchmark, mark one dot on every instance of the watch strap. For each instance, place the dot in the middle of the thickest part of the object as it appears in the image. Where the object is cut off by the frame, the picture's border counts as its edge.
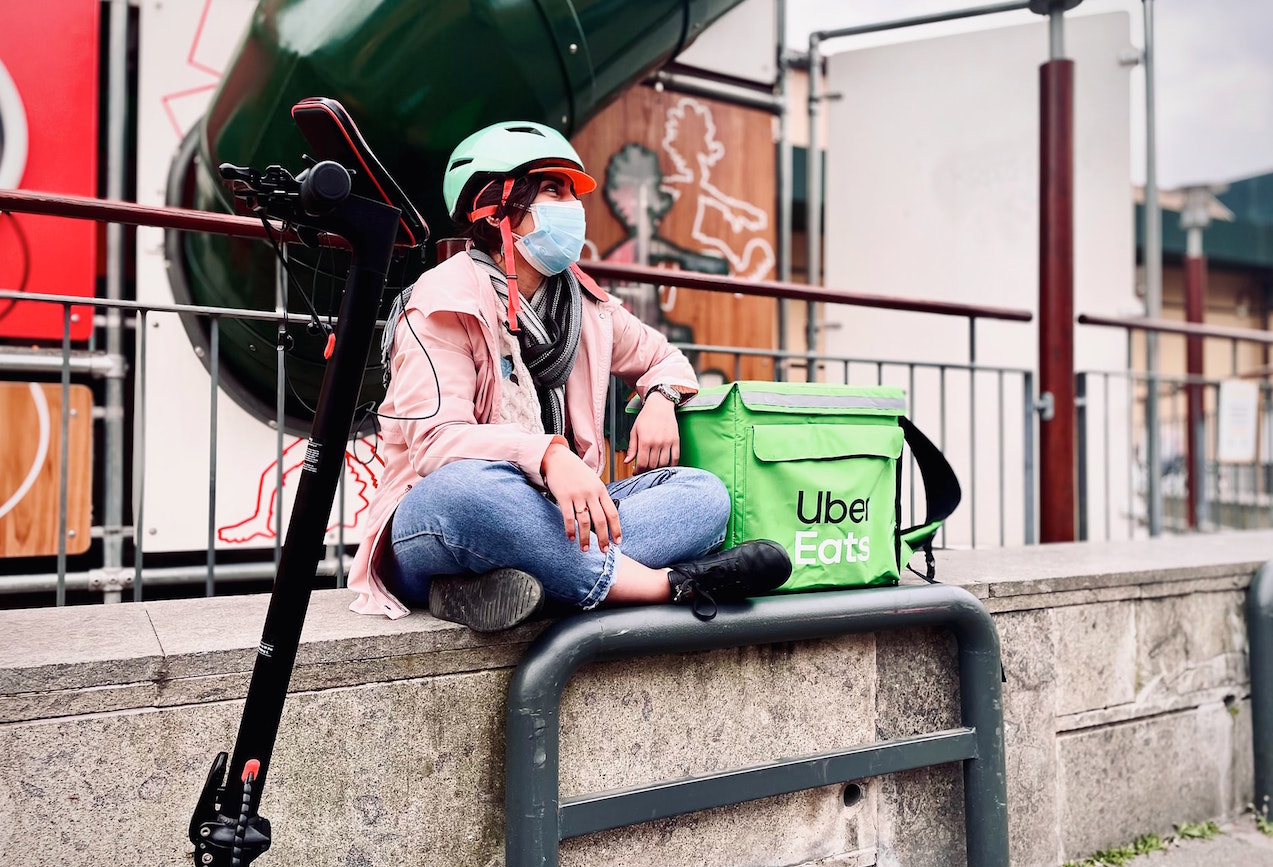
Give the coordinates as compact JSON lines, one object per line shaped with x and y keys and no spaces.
{"x":675,"y":395}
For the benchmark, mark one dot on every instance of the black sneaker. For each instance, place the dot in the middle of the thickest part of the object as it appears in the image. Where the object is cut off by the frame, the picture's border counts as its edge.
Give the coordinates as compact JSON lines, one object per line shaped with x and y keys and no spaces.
{"x":752,"y":569}
{"x":490,"y":602}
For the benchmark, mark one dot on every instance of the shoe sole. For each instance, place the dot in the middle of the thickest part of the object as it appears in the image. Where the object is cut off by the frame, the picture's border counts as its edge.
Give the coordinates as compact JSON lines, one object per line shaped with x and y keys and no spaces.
{"x":491,"y":602}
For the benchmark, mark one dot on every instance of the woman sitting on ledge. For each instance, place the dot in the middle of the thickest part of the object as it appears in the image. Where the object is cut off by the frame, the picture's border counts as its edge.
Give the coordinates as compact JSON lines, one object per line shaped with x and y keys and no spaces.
{"x":499,"y":358}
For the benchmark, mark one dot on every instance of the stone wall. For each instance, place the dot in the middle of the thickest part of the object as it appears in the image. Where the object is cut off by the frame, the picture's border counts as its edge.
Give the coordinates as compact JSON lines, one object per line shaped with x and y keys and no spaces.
{"x":1126,"y":710}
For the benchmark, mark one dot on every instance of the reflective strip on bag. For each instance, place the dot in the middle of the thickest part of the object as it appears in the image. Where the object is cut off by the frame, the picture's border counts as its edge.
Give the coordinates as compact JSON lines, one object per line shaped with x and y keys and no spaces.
{"x":820,"y":401}
{"x":802,"y":401}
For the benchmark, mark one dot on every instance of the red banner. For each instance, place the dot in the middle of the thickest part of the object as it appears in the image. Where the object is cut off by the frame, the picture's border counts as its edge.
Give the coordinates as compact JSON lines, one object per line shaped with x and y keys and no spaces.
{"x":48,"y":142}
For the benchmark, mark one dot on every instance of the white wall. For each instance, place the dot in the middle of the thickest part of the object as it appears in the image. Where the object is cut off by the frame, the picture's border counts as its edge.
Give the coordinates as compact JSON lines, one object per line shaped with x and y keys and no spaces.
{"x":742,"y":43}
{"x":933,"y":193}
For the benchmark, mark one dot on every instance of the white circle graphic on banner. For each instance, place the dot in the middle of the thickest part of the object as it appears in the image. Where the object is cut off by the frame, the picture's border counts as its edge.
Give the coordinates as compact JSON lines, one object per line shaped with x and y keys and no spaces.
{"x":13,"y":132}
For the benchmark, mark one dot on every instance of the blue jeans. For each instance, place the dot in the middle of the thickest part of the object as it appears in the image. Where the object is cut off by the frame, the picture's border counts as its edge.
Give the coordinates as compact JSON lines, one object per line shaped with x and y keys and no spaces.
{"x":474,"y":516}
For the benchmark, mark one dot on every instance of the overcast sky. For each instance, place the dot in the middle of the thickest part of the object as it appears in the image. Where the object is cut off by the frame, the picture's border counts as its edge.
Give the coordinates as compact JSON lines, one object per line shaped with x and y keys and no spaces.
{"x":1213,"y":72}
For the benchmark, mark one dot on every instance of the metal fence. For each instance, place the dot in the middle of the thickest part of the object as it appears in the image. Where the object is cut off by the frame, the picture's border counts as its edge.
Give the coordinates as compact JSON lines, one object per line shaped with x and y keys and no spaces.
{"x":119,"y":567}
{"x":1206,"y":479}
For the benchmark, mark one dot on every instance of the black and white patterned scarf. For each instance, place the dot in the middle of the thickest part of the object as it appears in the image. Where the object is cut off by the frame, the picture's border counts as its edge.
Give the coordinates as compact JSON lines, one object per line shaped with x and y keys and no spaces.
{"x":548,"y":335}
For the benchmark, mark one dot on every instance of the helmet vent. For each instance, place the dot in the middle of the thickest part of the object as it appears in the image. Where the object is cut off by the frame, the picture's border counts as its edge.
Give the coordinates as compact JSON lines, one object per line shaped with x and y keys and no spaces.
{"x":461,"y":162}
{"x":529,"y":129}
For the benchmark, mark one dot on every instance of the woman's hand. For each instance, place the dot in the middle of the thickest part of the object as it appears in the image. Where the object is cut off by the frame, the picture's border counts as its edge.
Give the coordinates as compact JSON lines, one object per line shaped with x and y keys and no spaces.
{"x":655,"y":440}
{"x":585,"y":503}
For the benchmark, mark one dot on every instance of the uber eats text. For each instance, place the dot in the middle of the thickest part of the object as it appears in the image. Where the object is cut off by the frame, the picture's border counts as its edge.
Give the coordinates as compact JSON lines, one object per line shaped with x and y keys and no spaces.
{"x":826,"y":509}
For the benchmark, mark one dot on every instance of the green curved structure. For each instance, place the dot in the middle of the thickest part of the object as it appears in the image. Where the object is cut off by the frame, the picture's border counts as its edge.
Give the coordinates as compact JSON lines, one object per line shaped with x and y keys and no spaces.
{"x":417,"y":76}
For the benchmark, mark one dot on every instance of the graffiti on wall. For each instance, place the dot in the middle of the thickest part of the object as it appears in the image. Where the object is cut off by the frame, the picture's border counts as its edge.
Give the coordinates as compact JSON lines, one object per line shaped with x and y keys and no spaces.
{"x":729,"y":233}
{"x":261,"y":524}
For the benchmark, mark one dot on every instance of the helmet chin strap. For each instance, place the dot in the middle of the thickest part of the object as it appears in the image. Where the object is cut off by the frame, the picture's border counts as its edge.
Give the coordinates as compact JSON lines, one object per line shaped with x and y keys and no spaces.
{"x":506,"y":236}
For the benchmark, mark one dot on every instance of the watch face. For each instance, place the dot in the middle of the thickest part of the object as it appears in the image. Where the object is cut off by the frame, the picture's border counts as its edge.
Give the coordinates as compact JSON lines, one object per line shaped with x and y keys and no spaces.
{"x":13,"y":133}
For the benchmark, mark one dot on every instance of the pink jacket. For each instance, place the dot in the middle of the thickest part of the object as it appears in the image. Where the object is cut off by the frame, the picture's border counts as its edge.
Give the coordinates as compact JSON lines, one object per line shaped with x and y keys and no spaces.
{"x":454,"y":311}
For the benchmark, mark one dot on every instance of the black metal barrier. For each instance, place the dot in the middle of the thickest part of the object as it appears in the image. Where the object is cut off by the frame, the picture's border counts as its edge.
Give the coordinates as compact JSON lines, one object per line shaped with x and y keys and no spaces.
{"x":537,"y":819}
{"x":1259,"y":628}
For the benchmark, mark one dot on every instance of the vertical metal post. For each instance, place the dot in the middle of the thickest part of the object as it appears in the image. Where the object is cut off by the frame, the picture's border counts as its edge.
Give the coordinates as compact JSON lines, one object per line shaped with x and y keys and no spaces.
{"x":1105,"y":463}
{"x":1027,"y":451}
{"x":214,"y":370}
{"x":1216,"y":466}
{"x":786,"y":189}
{"x":1153,"y":284}
{"x":1131,"y":439}
{"x":911,"y":394}
{"x":113,"y":422}
{"x":972,"y":429}
{"x":1056,"y":33}
{"x":139,"y":458}
{"x":1002,"y":469}
{"x":1194,"y":217}
{"x":1056,"y":293}
{"x":63,"y":453}
{"x":280,"y":397}
{"x":813,"y":197}
{"x":617,"y":408}
{"x":941,"y":408}
{"x":1267,"y":469}
{"x":340,"y":527}
{"x":1259,"y":625}
{"x":1080,"y":401}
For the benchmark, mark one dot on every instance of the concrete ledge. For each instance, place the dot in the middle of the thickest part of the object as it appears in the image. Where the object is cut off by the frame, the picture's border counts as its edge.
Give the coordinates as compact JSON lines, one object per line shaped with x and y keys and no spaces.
{"x":1130,"y":653}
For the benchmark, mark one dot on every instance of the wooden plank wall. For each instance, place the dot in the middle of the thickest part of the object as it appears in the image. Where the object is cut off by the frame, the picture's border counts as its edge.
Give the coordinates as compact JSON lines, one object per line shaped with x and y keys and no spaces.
{"x":706,"y":174}
{"x":29,"y":483}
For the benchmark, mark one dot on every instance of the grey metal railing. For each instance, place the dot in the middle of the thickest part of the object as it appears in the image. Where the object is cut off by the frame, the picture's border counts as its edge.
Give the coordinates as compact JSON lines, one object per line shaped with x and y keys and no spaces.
{"x":870,"y":371}
{"x":1227,"y":495}
{"x":1259,"y":625}
{"x":114,"y":576}
{"x":537,"y":818}
{"x":129,"y":574}
{"x":1197,"y":490}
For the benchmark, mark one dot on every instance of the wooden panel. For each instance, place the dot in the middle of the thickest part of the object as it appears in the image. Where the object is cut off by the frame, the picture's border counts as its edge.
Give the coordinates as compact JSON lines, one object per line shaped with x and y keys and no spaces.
{"x":30,"y":456}
{"x":691,"y":182}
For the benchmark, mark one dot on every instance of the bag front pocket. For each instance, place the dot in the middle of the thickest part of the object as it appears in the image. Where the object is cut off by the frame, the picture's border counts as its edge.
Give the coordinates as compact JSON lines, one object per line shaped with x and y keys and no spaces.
{"x":828,"y":494}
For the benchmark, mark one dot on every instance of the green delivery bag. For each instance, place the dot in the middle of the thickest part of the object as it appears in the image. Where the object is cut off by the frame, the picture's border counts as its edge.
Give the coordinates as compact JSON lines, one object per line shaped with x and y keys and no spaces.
{"x":817,"y":468}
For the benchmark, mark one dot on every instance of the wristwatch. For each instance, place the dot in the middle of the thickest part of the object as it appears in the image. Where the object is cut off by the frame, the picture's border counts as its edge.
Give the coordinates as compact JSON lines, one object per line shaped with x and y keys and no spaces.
{"x":673,"y":394}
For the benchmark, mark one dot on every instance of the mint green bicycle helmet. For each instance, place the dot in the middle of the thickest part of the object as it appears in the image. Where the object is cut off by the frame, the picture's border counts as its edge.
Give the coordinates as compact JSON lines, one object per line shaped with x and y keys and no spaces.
{"x":506,"y":149}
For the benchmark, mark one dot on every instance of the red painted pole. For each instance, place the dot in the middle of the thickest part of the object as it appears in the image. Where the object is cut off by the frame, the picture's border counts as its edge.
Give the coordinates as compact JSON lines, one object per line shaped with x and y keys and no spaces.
{"x":1195,"y":293}
{"x":1057,"y":460}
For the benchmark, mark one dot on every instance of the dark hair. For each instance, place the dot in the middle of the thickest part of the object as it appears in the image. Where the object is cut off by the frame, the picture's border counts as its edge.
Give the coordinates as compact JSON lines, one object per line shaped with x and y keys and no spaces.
{"x":483,"y":235}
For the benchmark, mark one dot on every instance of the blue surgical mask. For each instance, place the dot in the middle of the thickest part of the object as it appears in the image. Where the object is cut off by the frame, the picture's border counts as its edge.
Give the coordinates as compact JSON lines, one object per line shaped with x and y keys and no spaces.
{"x":557,"y":241}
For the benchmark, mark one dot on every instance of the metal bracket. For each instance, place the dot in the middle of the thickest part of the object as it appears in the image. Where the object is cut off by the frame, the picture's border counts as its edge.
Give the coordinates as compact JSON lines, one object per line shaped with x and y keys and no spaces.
{"x":110,"y":580}
{"x":1131,"y":57}
{"x":1045,"y":406}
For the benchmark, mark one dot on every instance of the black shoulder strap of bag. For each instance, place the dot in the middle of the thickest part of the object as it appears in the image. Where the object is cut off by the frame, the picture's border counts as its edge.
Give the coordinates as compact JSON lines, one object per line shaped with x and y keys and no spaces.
{"x":941,"y":493}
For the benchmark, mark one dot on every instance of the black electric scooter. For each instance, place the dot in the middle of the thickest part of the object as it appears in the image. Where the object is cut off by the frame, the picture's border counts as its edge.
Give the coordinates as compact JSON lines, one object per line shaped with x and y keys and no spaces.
{"x":346,"y":193}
